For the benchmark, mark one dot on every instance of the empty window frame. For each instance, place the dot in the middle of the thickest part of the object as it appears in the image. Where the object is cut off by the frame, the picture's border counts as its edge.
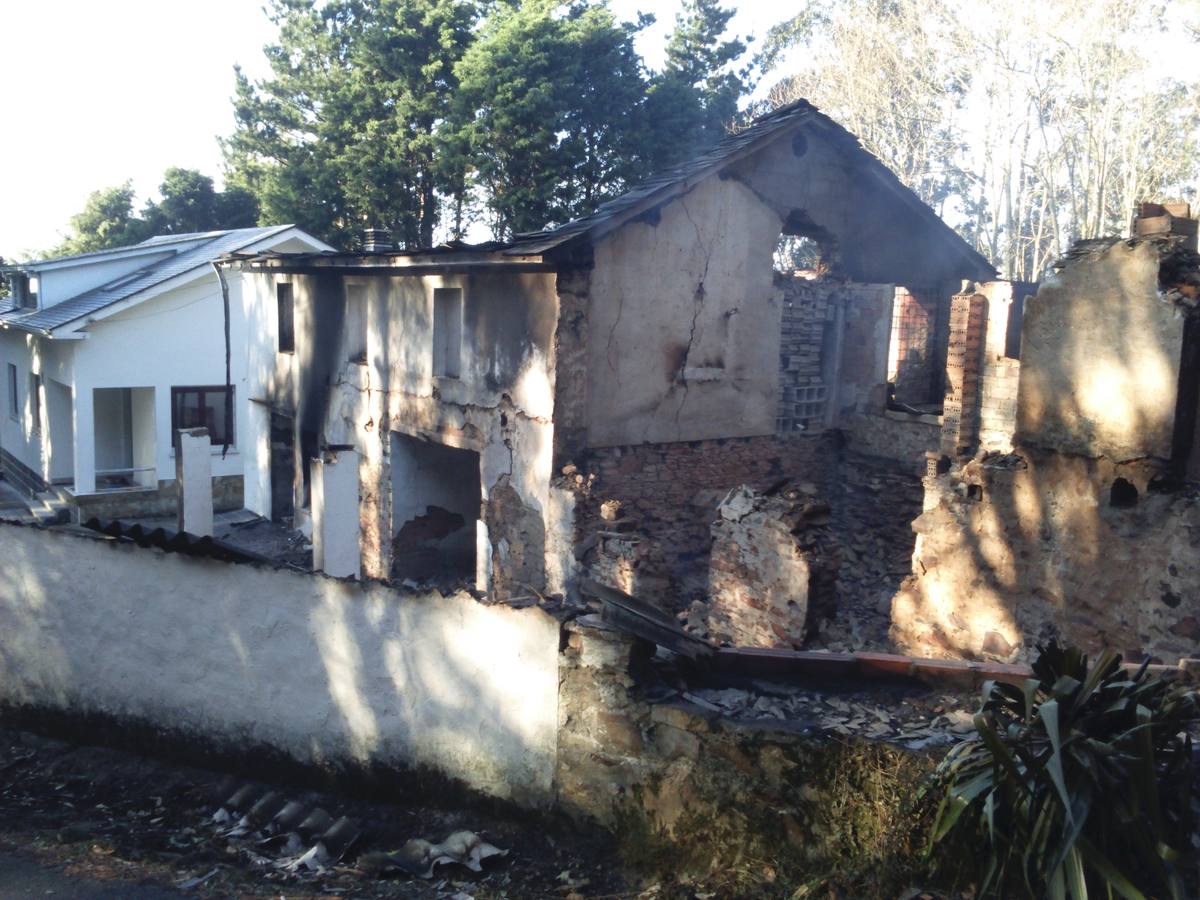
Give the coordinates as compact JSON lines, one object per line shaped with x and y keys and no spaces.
{"x":447,"y":332}
{"x":204,"y":407}
{"x":14,"y":411}
{"x":285,"y":303}
{"x":356,"y":323}
{"x":35,"y":400}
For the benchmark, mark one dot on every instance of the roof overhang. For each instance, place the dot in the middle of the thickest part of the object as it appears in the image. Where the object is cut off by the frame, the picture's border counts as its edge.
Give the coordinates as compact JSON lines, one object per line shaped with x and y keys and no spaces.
{"x":72,"y":329}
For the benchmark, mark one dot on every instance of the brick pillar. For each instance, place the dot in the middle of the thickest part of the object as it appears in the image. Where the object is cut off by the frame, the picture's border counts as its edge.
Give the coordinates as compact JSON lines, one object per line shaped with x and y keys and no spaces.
{"x":964,"y":363}
{"x":193,"y":479}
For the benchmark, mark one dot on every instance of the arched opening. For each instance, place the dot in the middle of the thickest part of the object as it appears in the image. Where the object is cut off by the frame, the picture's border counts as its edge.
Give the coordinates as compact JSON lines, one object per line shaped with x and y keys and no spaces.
{"x":805,"y":249}
{"x":1123,"y":495}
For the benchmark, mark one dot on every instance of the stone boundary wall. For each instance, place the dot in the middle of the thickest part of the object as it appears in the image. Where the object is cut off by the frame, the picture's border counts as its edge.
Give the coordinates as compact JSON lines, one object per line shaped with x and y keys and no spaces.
{"x":160,"y":501}
{"x":329,"y":672}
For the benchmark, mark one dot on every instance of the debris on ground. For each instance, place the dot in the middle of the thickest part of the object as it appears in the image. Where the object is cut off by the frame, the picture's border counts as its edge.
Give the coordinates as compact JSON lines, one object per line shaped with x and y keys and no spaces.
{"x":117,"y":816}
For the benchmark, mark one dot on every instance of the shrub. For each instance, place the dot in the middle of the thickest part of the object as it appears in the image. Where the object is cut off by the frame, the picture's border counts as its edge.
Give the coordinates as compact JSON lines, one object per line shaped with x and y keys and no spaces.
{"x":1078,"y":780}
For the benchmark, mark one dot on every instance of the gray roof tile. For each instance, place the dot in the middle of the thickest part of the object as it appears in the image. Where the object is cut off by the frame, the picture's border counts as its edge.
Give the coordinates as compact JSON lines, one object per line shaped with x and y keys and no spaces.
{"x":763,"y":130}
{"x":92,"y":301}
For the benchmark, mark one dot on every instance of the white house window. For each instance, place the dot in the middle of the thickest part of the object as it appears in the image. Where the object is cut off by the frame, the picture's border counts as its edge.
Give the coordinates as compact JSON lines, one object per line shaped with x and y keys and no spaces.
{"x":287,"y":327}
{"x":447,"y":332}
{"x":13,"y":406}
{"x":203,"y":407}
{"x":35,"y":400}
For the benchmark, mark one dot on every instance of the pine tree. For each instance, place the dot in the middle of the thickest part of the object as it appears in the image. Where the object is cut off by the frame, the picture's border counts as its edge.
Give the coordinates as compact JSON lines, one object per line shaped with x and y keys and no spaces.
{"x":550,"y":112}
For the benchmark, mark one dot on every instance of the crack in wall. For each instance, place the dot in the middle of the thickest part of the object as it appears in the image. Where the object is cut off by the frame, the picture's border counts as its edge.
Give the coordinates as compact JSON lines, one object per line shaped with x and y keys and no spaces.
{"x":697,"y":306}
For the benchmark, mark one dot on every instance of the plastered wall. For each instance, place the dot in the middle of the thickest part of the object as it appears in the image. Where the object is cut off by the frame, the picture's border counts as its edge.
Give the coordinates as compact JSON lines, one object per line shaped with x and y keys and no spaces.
{"x":324,"y":670}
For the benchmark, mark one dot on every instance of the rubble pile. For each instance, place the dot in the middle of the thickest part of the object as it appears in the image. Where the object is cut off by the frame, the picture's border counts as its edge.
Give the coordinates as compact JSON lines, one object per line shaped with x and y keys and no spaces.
{"x":769,"y":566}
{"x":123,"y":818}
{"x":915,"y":719}
{"x":874,"y":506}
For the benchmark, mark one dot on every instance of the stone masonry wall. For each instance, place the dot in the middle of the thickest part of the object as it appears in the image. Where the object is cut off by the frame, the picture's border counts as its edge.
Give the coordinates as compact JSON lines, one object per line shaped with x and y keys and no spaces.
{"x":1012,"y":550}
{"x":710,"y":793}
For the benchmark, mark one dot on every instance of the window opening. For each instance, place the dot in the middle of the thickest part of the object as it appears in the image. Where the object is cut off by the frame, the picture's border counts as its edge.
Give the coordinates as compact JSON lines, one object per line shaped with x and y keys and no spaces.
{"x":447,"y":332}
{"x":35,"y":400}
{"x":286,"y":306}
{"x":14,"y":411}
{"x":202,"y":407}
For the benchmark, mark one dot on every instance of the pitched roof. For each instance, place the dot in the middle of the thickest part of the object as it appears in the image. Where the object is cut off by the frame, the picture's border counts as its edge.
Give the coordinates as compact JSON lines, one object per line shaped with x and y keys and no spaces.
{"x":156,"y":244}
{"x":44,"y":321}
{"x":764,"y":130}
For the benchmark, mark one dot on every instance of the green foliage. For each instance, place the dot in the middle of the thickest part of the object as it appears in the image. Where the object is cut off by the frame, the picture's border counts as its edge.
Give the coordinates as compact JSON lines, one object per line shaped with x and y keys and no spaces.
{"x":1079,"y":781}
{"x":700,"y":58}
{"x":106,"y":220}
{"x":188,"y":203}
{"x":549,"y":111}
{"x":344,"y":133}
{"x":408,"y":113}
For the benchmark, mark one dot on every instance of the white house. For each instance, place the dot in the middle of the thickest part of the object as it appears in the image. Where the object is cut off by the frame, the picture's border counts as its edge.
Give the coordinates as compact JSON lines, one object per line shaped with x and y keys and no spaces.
{"x":103,"y":355}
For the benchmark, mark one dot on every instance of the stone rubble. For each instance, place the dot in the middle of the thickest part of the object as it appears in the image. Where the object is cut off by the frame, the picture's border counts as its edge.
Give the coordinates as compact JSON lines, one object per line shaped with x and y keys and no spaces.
{"x":914,"y":718}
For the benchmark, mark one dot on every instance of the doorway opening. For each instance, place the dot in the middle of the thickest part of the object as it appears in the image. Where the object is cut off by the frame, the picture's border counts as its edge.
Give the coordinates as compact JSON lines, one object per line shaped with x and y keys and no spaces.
{"x":436,"y":502}
{"x":283,"y":467}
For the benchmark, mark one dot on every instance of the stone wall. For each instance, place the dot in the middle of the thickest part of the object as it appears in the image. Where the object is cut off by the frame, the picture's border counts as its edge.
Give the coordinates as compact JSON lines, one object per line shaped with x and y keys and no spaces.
{"x":1012,"y":550}
{"x":767,"y":570}
{"x":227,"y":495}
{"x":1102,"y":348}
{"x":903,"y":438}
{"x":688,"y":789}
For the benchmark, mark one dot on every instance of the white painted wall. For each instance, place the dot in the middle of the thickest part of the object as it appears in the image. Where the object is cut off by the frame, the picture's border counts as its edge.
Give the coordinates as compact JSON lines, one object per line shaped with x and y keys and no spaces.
{"x":174,"y":340}
{"x":322,"y":669}
{"x":62,"y":282}
{"x":53,"y":362}
{"x":60,"y":410}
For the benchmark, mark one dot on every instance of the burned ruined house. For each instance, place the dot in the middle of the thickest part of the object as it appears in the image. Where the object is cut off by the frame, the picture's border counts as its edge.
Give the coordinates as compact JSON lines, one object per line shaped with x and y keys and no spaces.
{"x":1062,"y":501}
{"x":514,"y":404}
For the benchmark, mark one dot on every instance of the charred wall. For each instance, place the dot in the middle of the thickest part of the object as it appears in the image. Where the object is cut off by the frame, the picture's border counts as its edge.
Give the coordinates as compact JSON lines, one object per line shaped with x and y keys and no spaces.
{"x":1013,"y":550}
{"x":492,"y":397}
{"x":1081,"y":524}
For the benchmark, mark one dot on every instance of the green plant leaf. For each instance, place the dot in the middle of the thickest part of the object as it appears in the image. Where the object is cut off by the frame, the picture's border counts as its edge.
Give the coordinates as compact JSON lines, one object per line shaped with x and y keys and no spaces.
{"x":1076,"y":882}
{"x":1048,"y":713}
{"x":1108,"y":871}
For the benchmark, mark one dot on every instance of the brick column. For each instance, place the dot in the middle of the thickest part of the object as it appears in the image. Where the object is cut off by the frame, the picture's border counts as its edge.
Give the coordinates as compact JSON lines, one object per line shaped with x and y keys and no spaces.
{"x":964,"y":363}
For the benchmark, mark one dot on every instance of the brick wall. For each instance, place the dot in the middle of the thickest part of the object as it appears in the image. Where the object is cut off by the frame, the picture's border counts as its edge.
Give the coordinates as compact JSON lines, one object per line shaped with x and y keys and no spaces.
{"x":964,"y":364}
{"x":914,"y":358}
{"x":980,"y":408}
{"x":668,"y":494}
{"x":807,"y":340}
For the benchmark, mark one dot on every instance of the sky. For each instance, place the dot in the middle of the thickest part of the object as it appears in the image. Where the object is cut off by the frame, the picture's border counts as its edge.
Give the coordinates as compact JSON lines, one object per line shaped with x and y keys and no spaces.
{"x":96,"y":92}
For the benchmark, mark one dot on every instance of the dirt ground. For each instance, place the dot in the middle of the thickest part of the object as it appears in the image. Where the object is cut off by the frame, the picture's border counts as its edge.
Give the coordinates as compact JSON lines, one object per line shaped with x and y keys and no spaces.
{"x":106,"y":817}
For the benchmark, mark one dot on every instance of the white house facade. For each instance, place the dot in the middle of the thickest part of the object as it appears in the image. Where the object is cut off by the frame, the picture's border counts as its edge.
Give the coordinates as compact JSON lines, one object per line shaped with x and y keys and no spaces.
{"x":103,"y":355}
